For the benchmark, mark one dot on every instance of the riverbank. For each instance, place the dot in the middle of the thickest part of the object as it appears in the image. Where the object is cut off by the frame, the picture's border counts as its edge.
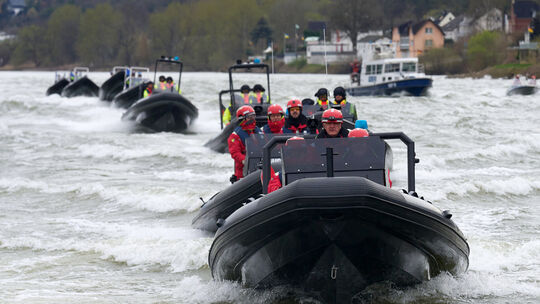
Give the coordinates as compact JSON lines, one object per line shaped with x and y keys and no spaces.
{"x":503,"y":71}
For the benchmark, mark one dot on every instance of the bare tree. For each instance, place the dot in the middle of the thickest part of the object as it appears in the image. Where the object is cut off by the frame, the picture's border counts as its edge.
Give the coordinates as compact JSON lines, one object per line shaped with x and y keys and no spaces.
{"x":355,"y":16}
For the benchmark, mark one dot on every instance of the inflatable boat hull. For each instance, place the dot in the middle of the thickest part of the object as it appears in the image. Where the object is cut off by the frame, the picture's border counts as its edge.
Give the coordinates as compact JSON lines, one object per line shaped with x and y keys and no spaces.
{"x":333,"y":237}
{"x":127,"y":98}
{"x":162,"y":112}
{"x":112,"y":86}
{"x":522,"y":90}
{"x":57,"y":87}
{"x":81,"y":87}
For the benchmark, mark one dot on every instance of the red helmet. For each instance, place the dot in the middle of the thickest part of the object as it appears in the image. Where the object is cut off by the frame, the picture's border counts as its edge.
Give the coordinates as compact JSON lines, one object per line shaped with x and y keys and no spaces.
{"x":358,"y":133}
{"x":244,"y":111}
{"x":294,"y":138}
{"x":294,"y":103}
{"x":332,"y":115}
{"x":275,"y":109}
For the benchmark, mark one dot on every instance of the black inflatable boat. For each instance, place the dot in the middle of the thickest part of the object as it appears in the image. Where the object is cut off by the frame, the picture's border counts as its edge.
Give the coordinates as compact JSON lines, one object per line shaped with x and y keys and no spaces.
{"x":165,"y":110}
{"x":57,"y":87}
{"x":81,"y":87}
{"x":219,"y":143}
{"x":522,"y":90}
{"x":128,"y":97}
{"x":114,"y":85}
{"x":334,"y":228}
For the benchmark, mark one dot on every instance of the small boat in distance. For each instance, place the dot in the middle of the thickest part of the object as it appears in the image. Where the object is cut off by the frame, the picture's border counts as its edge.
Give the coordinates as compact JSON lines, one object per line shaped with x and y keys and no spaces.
{"x":80,"y":84}
{"x":518,"y":88}
{"x":385,"y":77}
{"x":115,"y":83}
{"x":60,"y":82}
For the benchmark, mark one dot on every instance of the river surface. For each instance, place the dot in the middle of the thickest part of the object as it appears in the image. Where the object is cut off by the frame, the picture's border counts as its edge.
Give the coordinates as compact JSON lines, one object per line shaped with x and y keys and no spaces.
{"x":92,"y":212}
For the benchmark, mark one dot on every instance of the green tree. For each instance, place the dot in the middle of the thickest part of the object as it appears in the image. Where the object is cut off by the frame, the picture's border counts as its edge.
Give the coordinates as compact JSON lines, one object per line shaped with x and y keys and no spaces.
{"x":99,"y":34}
{"x":485,"y":49}
{"x":62,"y":32}
{"x":169,"y":31}
{"x":31,"y":44}
{"x":261,"y":31}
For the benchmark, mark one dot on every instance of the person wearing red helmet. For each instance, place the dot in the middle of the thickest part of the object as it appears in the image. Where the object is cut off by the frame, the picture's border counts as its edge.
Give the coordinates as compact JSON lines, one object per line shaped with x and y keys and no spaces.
{"x":237,"y":139}
{"x":358,"y":132}
{"x":332,"y":121}
{"x":276,"y":120}
{"x":296,"y":122}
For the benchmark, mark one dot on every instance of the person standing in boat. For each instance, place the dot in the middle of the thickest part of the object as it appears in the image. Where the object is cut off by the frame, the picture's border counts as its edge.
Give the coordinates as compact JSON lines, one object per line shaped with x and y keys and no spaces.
{"x":171,"y":86}
{"x":237,"y":140}
{"x":149,"y":89}
{"x":340,"y":100}
{"x":296,"y":122}
{"x":162,"y":85}
{"x":259,"y":95}
{"x":332,"y":121}
{"x":244,"y":98}
{"x":276,"y":120}
{"x":322,"y":98}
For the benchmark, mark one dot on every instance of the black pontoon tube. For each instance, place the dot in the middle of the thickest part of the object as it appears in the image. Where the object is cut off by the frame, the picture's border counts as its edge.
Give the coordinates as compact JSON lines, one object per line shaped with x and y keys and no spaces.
{"x":411,"y":156}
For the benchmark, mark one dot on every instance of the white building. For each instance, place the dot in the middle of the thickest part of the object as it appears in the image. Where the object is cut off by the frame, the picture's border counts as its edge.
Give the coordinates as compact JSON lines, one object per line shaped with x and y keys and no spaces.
{"x":463,"y":26}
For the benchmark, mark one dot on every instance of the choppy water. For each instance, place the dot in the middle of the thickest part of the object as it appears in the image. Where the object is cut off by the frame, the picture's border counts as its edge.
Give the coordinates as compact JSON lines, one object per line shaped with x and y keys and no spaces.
{"x":92,"y":213}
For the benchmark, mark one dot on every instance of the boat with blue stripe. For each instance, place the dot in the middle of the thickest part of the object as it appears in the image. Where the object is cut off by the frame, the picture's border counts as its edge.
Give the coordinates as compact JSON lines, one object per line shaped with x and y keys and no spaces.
{"x":392,"y":76}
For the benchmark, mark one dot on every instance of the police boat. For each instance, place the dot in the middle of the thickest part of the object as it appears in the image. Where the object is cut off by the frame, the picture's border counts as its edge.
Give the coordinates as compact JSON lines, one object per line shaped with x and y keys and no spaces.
{"x":60,"y":82}
{"x":219,"y":143}
{"x":113,"y":85}
{"x":81,"y":85}
{"x":247,"y":189}
{"x":392,"y":76}
{"x":335,"y":227}
{"x":165,"y":110}
{"x":134,"y":87}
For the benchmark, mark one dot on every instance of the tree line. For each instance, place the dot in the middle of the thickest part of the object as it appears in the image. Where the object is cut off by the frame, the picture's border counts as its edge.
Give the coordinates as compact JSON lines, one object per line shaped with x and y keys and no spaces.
{"x":205,"y":34}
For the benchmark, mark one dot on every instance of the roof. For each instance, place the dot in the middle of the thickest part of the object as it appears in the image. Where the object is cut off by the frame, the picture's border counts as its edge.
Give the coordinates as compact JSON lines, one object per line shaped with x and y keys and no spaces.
{"x":454,"y":24}
{"x":525,"y":9}
{"x":404,"y":28}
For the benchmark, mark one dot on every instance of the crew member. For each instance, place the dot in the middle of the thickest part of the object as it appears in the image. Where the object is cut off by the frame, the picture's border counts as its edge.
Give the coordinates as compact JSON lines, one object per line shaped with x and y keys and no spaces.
{"x":322,"y":98}
{"x":162,"y":85}
{"x":244,"y":96}
{"x":276,"y":120}
{"x":355,"y":71}
{"x":296,"y":122}
{"x":340,"y":100}
{"x":237,"y":140}
{"x":258,"y":93}
{"x":332,"y":121}
{"x":149,"y":89}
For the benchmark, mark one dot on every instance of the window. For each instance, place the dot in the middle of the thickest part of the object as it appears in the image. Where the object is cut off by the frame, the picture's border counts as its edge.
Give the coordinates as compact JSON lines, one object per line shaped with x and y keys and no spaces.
{"x":379,"y":68}
{"x":429,"y":30}
{"x":409,"y":67}
{"x":391,"y":67}
{"x":429,"y":43}
{"x":369,"y":69}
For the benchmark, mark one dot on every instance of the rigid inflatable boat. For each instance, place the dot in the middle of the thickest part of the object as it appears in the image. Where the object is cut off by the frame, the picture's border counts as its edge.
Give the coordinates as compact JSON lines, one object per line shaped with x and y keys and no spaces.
{"x":163,"y":112}
{"x":219,"y":143}
{"x":113,"y":85}
{"x":335,"y":227}
{"x":522,"y":90}
{"x":80,"y":84}
{"x":57,"y":87}
{"x":134,"y":87}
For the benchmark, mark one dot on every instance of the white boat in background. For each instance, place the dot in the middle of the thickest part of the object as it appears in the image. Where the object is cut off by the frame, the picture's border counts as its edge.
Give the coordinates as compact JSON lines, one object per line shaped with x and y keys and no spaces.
{"x":391,"y":76}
